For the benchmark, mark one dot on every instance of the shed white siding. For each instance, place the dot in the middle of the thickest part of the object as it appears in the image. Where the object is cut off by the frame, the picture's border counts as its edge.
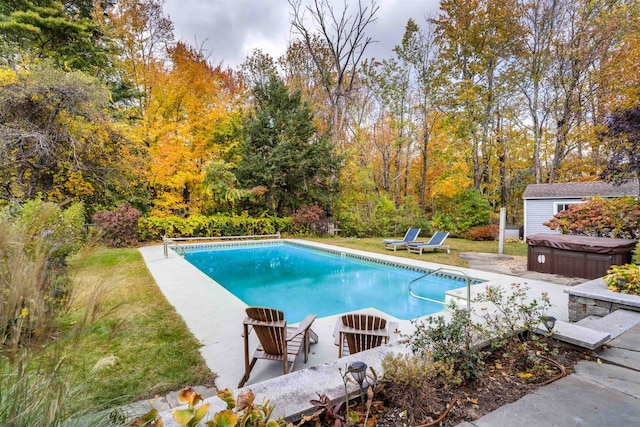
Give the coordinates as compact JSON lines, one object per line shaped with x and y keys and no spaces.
{"x":537,"y":211}
{"x":541,"y":201}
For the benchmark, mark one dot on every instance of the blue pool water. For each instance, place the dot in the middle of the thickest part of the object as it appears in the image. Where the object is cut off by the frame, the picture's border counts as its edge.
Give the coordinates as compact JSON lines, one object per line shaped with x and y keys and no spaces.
{"x":300,"y":280}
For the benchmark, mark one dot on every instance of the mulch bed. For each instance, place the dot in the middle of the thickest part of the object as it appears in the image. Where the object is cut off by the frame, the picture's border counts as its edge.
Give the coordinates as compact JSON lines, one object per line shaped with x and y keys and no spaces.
{"x":502,"y":382}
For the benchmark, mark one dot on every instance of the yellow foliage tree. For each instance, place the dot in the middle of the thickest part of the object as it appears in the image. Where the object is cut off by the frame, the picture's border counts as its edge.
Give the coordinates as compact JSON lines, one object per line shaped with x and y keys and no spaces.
{"x":192,"y":104}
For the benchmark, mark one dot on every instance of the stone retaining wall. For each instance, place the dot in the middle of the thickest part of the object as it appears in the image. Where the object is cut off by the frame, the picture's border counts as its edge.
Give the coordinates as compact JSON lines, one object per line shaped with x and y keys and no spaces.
{"x":594,"y":299}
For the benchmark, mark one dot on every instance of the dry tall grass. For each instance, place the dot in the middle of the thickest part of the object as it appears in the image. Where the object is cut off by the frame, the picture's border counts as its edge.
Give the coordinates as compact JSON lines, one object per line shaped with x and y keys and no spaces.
{"x":34,"y":290}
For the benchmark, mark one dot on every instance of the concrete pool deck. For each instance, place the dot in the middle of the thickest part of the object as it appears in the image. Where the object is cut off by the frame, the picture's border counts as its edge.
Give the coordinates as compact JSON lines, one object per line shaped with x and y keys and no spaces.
{"x":215,"y":316}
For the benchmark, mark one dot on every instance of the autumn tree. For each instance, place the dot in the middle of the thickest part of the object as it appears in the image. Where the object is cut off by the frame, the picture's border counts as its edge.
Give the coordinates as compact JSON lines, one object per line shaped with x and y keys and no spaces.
{"x":622,"y":139}
{"x":589,"y":32}
{"x":345,"y":36}
{"x":541,"y":21}
{"x":144,"y":38}
{"x":283,"y":154}
{"x":258,"y":68}
{"x":192,"y":119}
{"x":56,"y":140}
{"x":620,"y":87}
{"x":419,"y":50}
{"x":300,"y":73}
{"x":389,"y":83}
{"x":477,"y":39}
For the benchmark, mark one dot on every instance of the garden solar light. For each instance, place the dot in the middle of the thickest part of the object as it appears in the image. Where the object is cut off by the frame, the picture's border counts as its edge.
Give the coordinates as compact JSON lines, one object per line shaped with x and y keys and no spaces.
{"x":358,"y":371}
{"x":549,"y":322}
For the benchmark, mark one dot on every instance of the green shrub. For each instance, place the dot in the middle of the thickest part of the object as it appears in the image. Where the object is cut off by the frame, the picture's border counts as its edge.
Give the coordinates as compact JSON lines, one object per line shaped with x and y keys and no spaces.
{"x":624,"y":279}
{"x":502,"y":323}
{"x":449,"y":341}
{"x":62,"y":230}
{"x":376,"y":215}
{"x":509,"y":313}
{"x":461,"y":212}
{"x":411,"y":215}
{"x":119,"y":226}
{"x":153,"y":228}
{"x":372,"y":217}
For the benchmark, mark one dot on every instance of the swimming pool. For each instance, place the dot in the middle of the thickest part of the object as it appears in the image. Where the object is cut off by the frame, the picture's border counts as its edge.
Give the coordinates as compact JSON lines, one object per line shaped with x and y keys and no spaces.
{"x":300,"y":280}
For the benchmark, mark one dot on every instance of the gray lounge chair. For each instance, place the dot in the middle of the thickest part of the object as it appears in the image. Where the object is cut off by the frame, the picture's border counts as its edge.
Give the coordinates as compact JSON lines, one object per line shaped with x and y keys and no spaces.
{"x":434,"y":244}
{"x":410,"y":236}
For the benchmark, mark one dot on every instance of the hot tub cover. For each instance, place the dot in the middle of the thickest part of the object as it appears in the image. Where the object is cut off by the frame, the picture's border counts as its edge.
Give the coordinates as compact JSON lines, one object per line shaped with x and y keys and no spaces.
{"x":595,"y":245}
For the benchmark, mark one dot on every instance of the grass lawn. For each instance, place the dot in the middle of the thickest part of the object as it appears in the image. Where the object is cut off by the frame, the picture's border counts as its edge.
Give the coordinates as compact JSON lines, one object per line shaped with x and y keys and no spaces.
{"x":374,"y":244}
{"x":150,"y":348}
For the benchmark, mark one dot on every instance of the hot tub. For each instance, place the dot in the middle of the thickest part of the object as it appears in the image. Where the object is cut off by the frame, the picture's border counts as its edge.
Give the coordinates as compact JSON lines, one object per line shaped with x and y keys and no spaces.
{"x":577,"y":256}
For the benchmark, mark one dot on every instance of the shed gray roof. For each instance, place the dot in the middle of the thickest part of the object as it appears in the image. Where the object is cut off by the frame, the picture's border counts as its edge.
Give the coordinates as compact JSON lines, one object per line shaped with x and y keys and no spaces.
{"x":580,"y":190}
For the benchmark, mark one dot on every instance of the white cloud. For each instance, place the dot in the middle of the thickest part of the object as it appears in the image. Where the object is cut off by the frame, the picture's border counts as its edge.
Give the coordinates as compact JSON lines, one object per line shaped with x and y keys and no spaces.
{"x":231,"y":29}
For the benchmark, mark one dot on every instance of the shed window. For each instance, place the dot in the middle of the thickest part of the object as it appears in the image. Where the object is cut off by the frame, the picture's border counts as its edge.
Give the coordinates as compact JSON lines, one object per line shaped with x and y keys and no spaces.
{"x":563,"y":206}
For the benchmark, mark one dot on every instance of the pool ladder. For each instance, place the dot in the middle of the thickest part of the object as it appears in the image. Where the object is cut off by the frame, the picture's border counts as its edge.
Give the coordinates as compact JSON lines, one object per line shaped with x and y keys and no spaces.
{"x":431,"y":273}
{"x":166,"y":241}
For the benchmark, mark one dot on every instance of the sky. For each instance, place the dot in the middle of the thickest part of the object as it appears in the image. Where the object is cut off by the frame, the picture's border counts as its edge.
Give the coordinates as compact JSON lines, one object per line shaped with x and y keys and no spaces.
{"x":230,"y":29}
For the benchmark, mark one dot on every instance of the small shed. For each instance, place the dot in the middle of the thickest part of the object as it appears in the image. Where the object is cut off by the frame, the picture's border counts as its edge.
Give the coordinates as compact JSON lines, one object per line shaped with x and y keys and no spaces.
{"x":543,"y":201}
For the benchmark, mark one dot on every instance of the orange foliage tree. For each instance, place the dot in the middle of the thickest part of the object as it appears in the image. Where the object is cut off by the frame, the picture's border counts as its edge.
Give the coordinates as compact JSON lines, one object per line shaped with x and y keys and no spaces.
{"x":190,"y":119}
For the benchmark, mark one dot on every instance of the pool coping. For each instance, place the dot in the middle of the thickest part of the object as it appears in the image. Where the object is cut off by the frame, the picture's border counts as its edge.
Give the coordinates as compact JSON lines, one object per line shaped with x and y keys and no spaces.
{"x":219,"y":329}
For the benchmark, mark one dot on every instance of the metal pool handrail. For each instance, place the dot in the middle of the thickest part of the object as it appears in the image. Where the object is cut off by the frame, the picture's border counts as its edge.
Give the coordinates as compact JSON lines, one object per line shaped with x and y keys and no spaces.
{"x":451,"y":270}
{"x":166,"y":241}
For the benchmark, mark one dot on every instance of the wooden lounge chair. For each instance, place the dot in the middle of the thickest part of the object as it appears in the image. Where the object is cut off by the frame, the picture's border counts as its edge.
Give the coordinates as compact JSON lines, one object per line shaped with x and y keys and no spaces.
{"x":434,"y":244}
{"x":277,"y":341}
{"x":410,"y":236}
{"x":359,"y":332}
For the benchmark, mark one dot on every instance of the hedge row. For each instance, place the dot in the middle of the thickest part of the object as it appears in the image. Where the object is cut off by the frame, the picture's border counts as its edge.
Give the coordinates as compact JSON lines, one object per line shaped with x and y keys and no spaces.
{"x":153,"y":228}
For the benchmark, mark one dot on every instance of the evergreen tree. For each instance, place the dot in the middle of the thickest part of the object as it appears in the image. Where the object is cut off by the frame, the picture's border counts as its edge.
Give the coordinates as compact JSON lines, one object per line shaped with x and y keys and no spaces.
{"x":62,"y":32}
{"x":283,"y":153}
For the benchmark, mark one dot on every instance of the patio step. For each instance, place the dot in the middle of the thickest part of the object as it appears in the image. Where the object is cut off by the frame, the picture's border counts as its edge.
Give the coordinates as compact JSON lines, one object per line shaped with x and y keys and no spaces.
{"x":578,"y":335}
{"x":615,"y":323}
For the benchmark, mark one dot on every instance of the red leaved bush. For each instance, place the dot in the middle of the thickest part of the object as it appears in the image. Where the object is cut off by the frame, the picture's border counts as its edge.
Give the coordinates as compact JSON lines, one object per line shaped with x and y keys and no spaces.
{"x":483,"y":232}
{"x":598,"y":217}
{"x":119,"y":226}
{"x":307,"y":214}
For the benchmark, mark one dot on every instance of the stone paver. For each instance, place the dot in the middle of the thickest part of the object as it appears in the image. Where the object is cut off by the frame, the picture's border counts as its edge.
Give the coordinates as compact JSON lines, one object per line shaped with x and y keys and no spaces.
{"x":575,"y":334}
{"x":615,"y":324}
{"x":621,"y":356}
{"x":615,"y":377}
{"x":570,"y":402}
{"x":596,"y":395}
{"x":629,"y":340}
